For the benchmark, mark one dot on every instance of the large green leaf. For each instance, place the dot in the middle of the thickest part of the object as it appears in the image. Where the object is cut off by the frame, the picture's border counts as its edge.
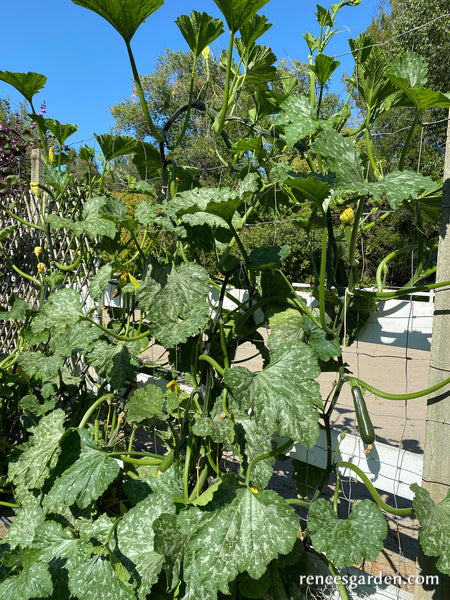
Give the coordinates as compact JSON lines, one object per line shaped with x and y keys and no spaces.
{"x":96,"y":578}
{"x":112,"y":362}
{"x":28,"y":84}
{"x":176,"y":301}
{"x":257,"y":61}
{"x":238,"y":12}
{"x":434,"y":520}
{"x":323,"y":67}
{"x":62,"y":551}
{"x":347,"y":541}
{"x":269,"y":257}
{"x":19,"y":309}
{"x":57,"y":179}
{"x":254,"y":28}
{"x":113,"y":146}
{"x":397,"y":187}
{"x":195,"y":205}
{"x":409,"y":73}
{"x":23,"y":529}
{"x":86,"y":472}
{"x":343,"y":158}
{"x":124,"y":15}
{"x":371,"y":65}
{"x":94,"y":225}
{"x":145,"y":403}
{"x":284,"y":396}
{"x":298,"y":116}
{"x":36,"y":364}
{"x":135,"y":536}
{"x":80,"y":337}
{"x":238,"y":530}
{"x":411,"y":68}
{"x":199,"y":30}
{"x":60,"y":131}
{"x":40,"y":454}
{"x":32,"y":582}
{"x":251,"y":441}
{"x":313,"y":186}
{"x":62,"y":309}
{"x":290,"y":325}
{"x":147,"y":160}
{"x":100,"y":281}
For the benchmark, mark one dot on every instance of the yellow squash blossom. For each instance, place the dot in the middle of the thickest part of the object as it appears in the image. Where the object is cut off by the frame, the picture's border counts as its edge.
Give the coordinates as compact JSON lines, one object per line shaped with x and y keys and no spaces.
{"x":347,"y":216}
{"x":174,"y":386}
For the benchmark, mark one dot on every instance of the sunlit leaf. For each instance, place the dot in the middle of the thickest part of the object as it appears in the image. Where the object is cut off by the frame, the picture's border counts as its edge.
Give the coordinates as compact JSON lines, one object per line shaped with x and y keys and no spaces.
{"x":60,"y":131}
{"x":63,"y":308}
{"x":343,"y":157}
{"x":86,"y":472}
{"x":347,"y":541}
{"x":238,"y":12}
{"x":125,"y":16}
{"x":176,"y":301}
{"x":145,"y":403}
{"x":33,"y":581}
{"x":112,"y":362}
{"x":298,"y":116}
{"x":100,"y":281}
{"x":32,"y":467}
{"x":28,"y":84}
{"x":434,"y":519}
{"x":324,"y":66}
{"x":238,"y":529}
{"x":113,"y":146}
{"x":147,"y":160}
{"x":96,"y":578}
{"x":199,"y":30}
{"x":19,"y":309}
{"x":284,"y":396}
{"x":255,"y":27}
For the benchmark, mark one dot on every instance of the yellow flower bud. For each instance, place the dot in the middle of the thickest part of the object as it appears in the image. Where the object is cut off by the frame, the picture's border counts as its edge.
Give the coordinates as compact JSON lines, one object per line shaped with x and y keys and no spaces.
{"x":38,"y":250}
{"x":255,"y":490}
{"x":347,"y":216}
{"x":51,"y":156}
{"x":41,"y":267}
{"x":205,"y":53}
{"x":34,"y":185}
{"x":173,"y":386}
{"x":123,"y":278}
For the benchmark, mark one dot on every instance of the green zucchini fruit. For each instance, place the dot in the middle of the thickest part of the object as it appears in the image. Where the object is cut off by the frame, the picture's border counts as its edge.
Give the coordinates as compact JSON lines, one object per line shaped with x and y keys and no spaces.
{"x":365,"y":426}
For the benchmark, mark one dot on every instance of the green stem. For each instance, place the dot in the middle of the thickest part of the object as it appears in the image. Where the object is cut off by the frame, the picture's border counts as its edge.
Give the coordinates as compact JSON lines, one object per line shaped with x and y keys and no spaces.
{"x":375,"y":495}
{"x":434,"y":388}
{"x":92,"y":408}
{"x":323,"y":262}
{"x":369,"y":150}
{"x":140,"y":92}
{"x":297,"y":501}
{"x":142,"y":461}
{"x":226,"y":94}
{"x":408,"y":141}
{"x":212,"y":362}
{"x":383,"y":265}
{"x":334,"y":572}
{"x":273,"y":452}
{"x":116,"y":336}
{"x":402,"y":291}
{"x":23,"y":221}
{"x":188,"y":112}
{"x":187,"y":461}
{"x":352,"y":245}
{"x":9,"y":504}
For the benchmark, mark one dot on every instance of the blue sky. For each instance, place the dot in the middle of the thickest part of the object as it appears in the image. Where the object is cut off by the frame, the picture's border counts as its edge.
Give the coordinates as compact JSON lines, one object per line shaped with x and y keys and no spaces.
{"x":85,"y":60}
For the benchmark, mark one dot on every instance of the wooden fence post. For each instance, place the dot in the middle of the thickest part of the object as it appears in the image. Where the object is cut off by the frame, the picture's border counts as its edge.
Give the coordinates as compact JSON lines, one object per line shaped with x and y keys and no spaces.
{"x":436,"y":460}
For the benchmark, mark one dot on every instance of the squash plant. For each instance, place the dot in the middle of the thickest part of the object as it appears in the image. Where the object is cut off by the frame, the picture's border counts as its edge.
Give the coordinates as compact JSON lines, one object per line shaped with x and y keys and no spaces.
{"x":99,"y":513}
